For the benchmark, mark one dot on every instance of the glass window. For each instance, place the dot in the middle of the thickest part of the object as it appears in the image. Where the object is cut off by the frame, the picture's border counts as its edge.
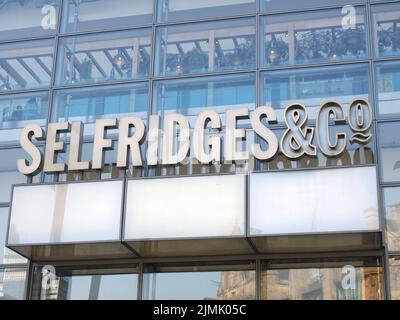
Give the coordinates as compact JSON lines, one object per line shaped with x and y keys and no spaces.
{"x":392,"y":214}
{"x":322,"y":280}
{"x":389,"y":144}
{"x":388,"y":88}
{"x":206,"y":47}
{"x":9,"y":174}
{"x":287,"y":5}
{"x":314,"y":86}
{"x":394,"y":265}
{"x":18,"y":110}
{"x":118,"y":283}
{"x":12,"y":284}
{"x":386,"y":29}
{"x":180,"y":10}
{"x":311,"y":37}
{"x":104,"y":57}
{"x":22,"y":19}
{"x":26,"y":64}
{"x":193,"y":95}
{"x":169,"y":282}
{"x":89,"y":104}
{"x":105,"y":14}
{"x":7,"y":256}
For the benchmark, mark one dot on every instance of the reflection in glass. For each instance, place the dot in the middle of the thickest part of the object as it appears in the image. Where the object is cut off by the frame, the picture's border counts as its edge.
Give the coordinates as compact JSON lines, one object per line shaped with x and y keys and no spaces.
{"x":89,"y":104}
{"x":386,"y":29}
{"x":18,"y":110}
{"x":104,"y":57}
{"x":199,"y":282}
{"x":388,"y":87}
{"x":179,"y":10}
{"x":22,"y":19}
{"x":310,"y":37}
{"x":389,"y":145}
{"x":104,"y":14}
{"x":286,"y":5}
{"x":191,"y":96}
{"x":25,"y":65}
{"x":392,"y":216}
{"x":12,"y":284}
{"x":206,"y":47}
{"x":87,"y":284}
{"x":322,"y":280}
{"x":313,"y":87}
{"x":7,"y":256}
{"x":9,"y":174}
{"x":394,"y":268}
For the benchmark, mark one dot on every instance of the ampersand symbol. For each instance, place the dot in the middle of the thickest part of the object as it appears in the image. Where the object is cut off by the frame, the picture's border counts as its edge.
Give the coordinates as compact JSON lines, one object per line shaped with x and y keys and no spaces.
{"x":297,"y":139}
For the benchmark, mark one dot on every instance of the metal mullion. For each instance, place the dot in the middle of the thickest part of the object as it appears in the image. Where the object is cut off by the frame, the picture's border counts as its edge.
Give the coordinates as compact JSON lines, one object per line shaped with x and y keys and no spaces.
{"x":375,"y":102}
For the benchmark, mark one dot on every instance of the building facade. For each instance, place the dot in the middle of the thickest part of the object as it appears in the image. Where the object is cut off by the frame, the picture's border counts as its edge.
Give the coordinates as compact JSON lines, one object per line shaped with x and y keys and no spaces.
{"x":314,"y":227}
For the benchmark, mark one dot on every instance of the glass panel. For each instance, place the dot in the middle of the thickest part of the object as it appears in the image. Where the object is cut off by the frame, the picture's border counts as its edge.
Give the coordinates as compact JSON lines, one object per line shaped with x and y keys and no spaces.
{"x":210,"y":282}
{"x":336,"y":200}
{"x":392,"y":215}
{"x":7,"y":256}
{"x":389,"y":145}
{"x":205,"y":47}
{"x":287,"y":5}
{"x":12,"y":284}
{"x":180,"y":10}
{"x":311,"y":37}
{"x":22,"y":19}
{"x":19,"y":110}
{"x":89,"y":104}
{"x":386,"y":29}
{"x":86,"y":284}
{"x":169,"y":217}
{"x":315,"y":86}
{"x":104,"y":14}
{"x":194,"y":95}
{"x":26,"y":64}
{"x":66,"y":213}
{"x":388,"y":87}
{"x":9,"y":174}
{"x":104,"y":57}
{"x":322,"y":280}
{"x":394,"y":265}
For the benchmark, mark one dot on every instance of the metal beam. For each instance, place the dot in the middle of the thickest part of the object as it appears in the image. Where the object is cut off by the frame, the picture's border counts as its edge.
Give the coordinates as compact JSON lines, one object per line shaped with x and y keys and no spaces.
{"x":110,"y":58}
{"x":13,"y":73}
{"x":30,"y":71}
{"x":42,"y":65}
{"x":96,"y":64}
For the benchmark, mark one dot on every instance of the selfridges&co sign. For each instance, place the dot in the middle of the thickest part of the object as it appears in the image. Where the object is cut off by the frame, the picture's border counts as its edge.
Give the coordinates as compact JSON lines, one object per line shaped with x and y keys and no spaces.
{"x":171,"y":143}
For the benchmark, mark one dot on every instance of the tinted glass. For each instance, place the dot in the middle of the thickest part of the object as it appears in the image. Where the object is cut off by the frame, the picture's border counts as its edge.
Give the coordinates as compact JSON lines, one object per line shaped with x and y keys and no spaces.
{"x":104,"y":57}
{"x":25,"y":65}
{"x":312,"y":37}
{"x":28,"y":18}
{"x":389,"y":144}
{"x":206,"y":47}
{"x":386,"y":29}
{"x":179,"y":10}
{"x":105,"y":14}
